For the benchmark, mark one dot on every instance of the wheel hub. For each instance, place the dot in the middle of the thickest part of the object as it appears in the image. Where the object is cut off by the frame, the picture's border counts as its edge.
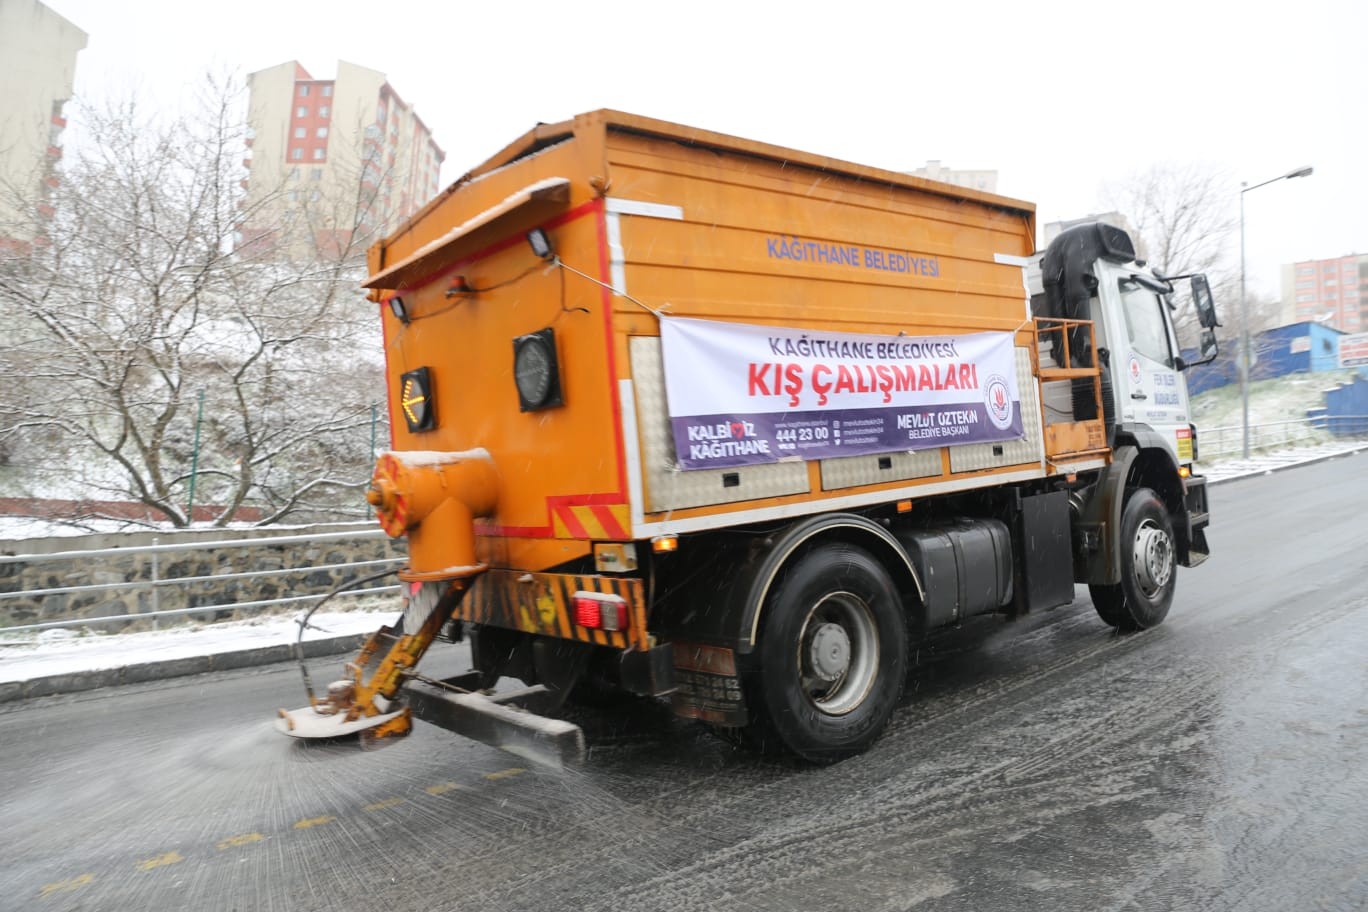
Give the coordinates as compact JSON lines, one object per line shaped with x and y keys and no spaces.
{"x":1153,"y":553}
{"x":829,"y":653}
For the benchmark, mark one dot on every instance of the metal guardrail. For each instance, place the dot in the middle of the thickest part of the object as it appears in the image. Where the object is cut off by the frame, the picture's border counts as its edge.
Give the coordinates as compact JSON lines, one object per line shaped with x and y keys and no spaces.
{"x":191,"y":546}
{"x":1215,"y":442}
{"x":156,"y":583}
{"x":198,"y":609}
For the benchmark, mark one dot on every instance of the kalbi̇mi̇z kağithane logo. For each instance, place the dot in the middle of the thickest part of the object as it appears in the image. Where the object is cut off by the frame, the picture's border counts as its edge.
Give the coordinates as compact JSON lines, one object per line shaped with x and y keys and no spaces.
{"x":999,"y":401}
{"x":729,"y":438}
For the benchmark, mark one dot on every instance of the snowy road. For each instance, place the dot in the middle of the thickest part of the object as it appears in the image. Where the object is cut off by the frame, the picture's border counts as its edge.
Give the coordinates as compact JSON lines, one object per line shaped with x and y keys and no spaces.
{"x":1218,"y":762}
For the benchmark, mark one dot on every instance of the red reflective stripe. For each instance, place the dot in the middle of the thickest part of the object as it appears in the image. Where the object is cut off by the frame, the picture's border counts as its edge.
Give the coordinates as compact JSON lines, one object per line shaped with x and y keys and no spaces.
{"x":572,"y":523}
{"x":608,"y":521}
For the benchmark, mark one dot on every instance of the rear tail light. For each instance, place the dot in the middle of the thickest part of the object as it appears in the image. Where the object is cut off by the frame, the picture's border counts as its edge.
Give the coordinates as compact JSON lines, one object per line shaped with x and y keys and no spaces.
{"x":598,"y":611}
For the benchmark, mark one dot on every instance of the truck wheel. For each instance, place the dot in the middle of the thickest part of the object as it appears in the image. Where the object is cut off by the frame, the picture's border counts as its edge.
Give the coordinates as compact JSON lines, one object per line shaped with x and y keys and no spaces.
{"x":829,"y":667}
{"x":1148,"y":567}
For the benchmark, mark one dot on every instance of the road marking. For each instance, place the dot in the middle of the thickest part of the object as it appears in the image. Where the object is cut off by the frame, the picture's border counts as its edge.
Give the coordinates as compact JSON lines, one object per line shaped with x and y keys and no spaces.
{"x":442,"y":788}
{"x":314,"y":821}
{"x":160,"y":861}
{"x":65,"y":886}
{"x":381,"y":805}
{"x":506,"y":774}
{"x":244,"y":839}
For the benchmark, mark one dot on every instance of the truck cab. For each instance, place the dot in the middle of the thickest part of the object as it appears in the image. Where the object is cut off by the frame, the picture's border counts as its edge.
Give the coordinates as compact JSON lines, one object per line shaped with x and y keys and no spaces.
{"x":1091,"y":272}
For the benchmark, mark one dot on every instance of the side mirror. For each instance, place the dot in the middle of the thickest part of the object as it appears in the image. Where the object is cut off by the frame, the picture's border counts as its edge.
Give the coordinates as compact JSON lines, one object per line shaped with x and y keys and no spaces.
{"x":1206,"y":308}
{"x":1209,"y":346}
{"x":1207,"y":351}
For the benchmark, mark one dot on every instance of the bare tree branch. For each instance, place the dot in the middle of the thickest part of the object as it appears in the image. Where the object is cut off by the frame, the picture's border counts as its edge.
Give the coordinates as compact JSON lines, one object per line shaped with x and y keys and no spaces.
{"x":1185,"y":214}
{"x":133,"y":298}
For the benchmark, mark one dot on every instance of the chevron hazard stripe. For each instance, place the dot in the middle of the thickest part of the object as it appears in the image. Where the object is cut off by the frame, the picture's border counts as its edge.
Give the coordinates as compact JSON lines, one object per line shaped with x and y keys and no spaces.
{"x":541,"y":603}
{"x":607,"y":522}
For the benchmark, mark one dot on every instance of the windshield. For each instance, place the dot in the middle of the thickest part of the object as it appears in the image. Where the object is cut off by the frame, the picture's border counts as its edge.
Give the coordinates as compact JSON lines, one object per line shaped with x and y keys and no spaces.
{"x":1145,"y":322}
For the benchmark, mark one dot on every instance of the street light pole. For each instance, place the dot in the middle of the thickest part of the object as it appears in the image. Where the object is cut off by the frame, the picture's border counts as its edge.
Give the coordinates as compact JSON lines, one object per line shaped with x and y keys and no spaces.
{"x":1244,"y":303}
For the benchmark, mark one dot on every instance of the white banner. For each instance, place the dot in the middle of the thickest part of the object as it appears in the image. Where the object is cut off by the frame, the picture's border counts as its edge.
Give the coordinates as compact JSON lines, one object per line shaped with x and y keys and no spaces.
{"x":740,"y":394}
{"x":1353,"y":350}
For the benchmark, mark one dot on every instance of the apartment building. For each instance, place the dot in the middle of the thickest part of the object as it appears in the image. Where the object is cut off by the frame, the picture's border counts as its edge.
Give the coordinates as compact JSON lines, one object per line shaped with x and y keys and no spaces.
{"x":974,"y":180}
{"x":1331,"y":292}
{"x":333,"y":163}
{"x":37,"y":71}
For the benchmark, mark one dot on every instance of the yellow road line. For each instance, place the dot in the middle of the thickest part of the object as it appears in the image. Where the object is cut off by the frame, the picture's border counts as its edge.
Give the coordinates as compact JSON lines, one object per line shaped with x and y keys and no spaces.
{"x":505,"y":774}
{"x":314,"y":821}
{"x":65,"y":886}
{"x":381,"y":805}
{"x":244,"y":839}
{"x":159,"y":861}
{"x":170,"y":858}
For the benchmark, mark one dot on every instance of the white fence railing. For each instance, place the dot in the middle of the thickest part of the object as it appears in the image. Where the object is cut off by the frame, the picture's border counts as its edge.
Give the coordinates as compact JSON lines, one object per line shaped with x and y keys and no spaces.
{"x":1224,"y":442}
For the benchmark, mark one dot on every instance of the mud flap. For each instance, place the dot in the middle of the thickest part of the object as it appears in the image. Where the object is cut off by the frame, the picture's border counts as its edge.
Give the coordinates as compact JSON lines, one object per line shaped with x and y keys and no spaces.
{"x":1198,"y":516}
{"x":1198,"y":549}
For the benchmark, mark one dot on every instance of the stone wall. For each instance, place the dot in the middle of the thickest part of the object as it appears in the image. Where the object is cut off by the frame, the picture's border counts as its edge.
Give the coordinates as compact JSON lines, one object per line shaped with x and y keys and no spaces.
{"x":200,"y":558}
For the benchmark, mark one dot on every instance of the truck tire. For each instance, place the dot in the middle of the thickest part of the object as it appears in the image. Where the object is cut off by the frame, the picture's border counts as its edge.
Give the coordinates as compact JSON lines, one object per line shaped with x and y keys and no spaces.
{"x":829,"y":666}
{"x":1149,"y":567}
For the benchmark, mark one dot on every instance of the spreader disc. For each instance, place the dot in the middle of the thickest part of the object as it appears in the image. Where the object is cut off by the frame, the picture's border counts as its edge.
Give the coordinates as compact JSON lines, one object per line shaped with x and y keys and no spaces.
{"x":309,"y":723}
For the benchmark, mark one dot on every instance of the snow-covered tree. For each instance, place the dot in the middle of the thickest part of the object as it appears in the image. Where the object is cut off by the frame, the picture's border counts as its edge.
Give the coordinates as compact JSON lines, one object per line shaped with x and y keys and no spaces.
{"x":1185,"y":214}
{"x":136,"y":296}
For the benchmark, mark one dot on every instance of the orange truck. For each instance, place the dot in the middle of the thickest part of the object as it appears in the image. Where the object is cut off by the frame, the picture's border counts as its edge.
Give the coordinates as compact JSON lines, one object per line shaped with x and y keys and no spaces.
{"x":695,"y":417}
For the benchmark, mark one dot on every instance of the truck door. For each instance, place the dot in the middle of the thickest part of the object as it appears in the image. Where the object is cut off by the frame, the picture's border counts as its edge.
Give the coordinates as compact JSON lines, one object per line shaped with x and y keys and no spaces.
{"x":1148,"y":388}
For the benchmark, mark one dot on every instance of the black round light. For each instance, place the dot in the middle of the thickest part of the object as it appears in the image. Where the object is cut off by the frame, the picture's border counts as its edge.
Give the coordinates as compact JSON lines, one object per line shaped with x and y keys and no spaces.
{"x":535,"y":370}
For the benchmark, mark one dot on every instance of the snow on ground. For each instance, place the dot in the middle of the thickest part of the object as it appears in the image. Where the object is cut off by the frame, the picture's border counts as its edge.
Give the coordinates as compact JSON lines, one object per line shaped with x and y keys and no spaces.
{"x":1281,"y":399}
{"x":1277,"y":416}
{"x":60,"y":651}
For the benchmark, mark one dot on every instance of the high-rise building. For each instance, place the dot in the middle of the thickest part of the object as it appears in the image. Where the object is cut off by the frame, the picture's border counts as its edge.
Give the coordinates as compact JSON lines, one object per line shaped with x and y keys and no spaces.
{"x":334,"y":163}
{"x":1331,"y":292}
{"x":974,"y":180}
{"x":37,"y":70}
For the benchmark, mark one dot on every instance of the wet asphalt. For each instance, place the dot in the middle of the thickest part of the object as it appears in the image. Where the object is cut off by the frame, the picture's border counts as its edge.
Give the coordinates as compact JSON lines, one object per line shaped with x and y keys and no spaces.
{"x":1219,"y":761}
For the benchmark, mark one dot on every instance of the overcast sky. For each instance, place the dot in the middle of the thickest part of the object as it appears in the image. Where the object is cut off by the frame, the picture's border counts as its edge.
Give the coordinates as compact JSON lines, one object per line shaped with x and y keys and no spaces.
{"x":1059,"y":98}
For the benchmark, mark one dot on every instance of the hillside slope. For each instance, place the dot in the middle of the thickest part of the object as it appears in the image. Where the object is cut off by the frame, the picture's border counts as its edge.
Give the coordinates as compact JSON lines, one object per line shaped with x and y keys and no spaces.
{"x":1277,"y":413}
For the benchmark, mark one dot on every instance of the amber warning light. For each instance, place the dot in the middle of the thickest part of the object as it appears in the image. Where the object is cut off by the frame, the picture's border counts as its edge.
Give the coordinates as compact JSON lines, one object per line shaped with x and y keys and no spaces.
{"x":415,"y":398}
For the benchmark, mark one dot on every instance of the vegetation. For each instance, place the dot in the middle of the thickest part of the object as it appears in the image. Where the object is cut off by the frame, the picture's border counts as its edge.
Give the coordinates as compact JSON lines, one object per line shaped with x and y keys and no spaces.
{"x":129,"y":300}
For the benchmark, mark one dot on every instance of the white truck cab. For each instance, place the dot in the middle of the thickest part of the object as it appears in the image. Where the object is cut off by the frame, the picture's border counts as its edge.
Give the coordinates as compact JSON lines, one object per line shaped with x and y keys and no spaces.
{"x":1133,"y":316}
{"x":1091,"y":272}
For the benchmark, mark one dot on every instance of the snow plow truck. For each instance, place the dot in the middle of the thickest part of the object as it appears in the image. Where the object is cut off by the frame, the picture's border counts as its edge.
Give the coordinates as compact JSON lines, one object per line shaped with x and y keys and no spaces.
{"x":704,"y":419}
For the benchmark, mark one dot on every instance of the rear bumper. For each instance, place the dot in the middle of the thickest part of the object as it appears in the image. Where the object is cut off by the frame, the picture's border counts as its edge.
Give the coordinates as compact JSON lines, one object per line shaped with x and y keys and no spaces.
{"x":540,"y":603}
